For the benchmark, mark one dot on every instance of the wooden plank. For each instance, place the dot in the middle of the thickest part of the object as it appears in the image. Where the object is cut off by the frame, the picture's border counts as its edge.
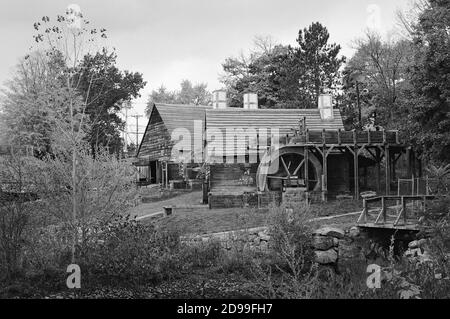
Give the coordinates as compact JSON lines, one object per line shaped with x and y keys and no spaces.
{"x":356,"y":171}
{"x":387,"y":158}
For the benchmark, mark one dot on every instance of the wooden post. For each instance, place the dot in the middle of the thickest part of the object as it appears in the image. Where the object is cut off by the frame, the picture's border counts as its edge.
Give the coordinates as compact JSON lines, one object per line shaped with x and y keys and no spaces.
{"x":307,"y":135}
{"x":383,"y":209}
{"x":158,"y":172}
{"x":323,"y":137}
{"x":387,"y":158}
{"x":378,"y":155}
{"x":356,"y":171}
{"x":306,"y":158}
{"x":404,"y":210}
{"x":365,"y":210}
{"x":167,"y":175}
{"x":394,"y":175}
{"x":408,"y":161}
{"x":324,"y":174}
{"x":339,"y":137}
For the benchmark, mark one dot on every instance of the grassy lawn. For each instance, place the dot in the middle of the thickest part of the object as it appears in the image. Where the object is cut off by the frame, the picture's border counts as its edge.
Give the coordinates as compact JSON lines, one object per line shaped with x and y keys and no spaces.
{"x":336,"y":207}
{"x":214,"y":220}
{"x":191,"y":198}
{"x":217,"y":220}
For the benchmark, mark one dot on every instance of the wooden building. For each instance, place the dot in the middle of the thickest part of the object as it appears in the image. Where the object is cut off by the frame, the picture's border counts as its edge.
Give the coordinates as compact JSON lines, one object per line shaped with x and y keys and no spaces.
{"x":157,"y":154}
{"x":257,"y":155}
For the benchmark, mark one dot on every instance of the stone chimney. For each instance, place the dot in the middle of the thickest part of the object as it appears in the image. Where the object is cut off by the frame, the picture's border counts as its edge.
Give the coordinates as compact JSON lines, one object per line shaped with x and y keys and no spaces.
{"x":250,"y":101}
{"x":326,"y":107}
{"x":219,"y":99}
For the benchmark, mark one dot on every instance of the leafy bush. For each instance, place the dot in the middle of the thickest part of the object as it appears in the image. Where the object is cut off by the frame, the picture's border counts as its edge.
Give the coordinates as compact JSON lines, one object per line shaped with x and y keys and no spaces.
{"x":125,"y":250}
{"x":289,"y":270}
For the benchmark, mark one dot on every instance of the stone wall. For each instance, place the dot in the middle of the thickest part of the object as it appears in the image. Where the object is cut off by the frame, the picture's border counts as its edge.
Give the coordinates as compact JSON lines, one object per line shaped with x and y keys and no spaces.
{"x":256,"y":239}
{"x":251,"y":199}
{"x":332,"y":245}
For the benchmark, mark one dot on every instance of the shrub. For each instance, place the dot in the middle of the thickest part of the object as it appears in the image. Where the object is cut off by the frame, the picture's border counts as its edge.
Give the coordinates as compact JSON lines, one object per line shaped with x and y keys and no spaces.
{"x":289,"y":270}
{"x":125,"y":250}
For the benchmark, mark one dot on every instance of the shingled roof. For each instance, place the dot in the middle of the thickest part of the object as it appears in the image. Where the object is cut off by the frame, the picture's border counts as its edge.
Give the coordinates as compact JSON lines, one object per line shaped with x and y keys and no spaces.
{"x":181,"y":116}
{"x":184,"y":116}
{"x":284,"y":119}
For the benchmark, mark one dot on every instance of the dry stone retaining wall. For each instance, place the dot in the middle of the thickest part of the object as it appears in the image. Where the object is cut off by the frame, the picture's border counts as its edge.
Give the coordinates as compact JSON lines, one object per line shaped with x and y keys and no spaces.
{"x":330,"y":244}
{"x":254,"y":239}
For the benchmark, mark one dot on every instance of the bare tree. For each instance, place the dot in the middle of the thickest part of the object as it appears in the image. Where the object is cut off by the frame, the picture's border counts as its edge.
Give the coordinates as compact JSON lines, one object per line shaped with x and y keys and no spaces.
{"x":382,"y":64}
{"x":71,"y":39}
{"x":406,"y":20}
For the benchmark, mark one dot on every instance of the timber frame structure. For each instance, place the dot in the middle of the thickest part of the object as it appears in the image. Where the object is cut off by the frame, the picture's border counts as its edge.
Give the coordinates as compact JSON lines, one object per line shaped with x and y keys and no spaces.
{"x":308,"y":155}
{"x":378,"y":144}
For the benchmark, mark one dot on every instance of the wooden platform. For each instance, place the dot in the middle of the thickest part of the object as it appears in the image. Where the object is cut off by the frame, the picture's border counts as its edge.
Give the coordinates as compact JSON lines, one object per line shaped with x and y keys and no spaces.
{"x":410,"y":226}
{"x":402,"y":216}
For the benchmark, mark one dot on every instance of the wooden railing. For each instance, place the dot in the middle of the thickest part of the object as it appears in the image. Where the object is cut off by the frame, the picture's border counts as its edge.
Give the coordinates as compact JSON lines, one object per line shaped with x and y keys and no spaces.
{"x":401,"y":218}
{"x":339,"y":137}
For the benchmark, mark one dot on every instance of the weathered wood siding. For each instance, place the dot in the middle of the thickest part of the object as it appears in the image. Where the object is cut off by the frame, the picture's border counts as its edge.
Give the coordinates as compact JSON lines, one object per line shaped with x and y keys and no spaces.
{"x":230,"y":178}
{"x":156,"y":142}
{"x":170,"y":124}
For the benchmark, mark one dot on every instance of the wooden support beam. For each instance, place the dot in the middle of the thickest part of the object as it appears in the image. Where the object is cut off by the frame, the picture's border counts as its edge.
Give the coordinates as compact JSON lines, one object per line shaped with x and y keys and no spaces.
{"x":408,"y":162}
{"x":361,"y":149}
{"x":356,"y":172}
{"x":329,"y":150}
{"x":372,"y":154}
{"x":158,"y":172}
{"x":382,"y":214}
{"x":350,"y":149}
{"x":378,"y":159}
{"x":298,"y":167}
{"x":339,"y":137}
{"x":324,"y":174}
{"x":306,"y":158}
{"x":363,"y":216}
{"x":387,"y":158}
{"x":323,"y":137}
{"x":394,"y":163}
{"x":307,"y":136}
{"x":402,"y":213}
{"x":318,"y":149}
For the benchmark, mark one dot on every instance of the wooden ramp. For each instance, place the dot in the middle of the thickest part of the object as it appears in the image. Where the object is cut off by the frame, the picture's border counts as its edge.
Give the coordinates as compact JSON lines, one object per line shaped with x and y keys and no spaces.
{"x":393,"y":212}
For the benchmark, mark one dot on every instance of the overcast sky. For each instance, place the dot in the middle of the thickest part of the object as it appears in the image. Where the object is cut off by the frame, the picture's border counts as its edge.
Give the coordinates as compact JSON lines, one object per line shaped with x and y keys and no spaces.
{"x":171,"y":40}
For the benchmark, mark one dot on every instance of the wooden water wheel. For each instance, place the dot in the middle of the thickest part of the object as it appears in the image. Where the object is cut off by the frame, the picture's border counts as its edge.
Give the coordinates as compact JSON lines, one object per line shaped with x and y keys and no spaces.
{"x":286,"y":168}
